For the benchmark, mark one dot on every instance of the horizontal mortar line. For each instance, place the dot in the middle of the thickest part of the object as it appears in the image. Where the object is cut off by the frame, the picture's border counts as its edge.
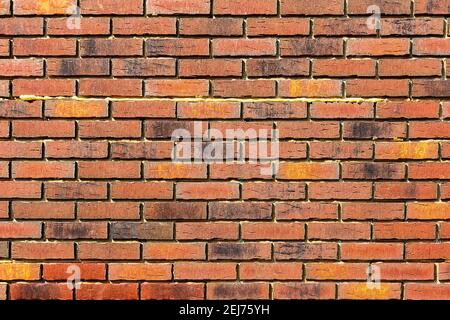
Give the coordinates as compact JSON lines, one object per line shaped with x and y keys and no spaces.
{"x":195,"y":99}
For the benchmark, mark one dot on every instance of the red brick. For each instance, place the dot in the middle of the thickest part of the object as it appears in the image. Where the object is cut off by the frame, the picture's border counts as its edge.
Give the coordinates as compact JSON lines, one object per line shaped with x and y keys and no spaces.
{"x":268,"y":110}
{"x":378,"y":47}
{"x":139,"y":271}
{"x":305,"y":251}
{"x":430,"y":7}
{"x":43,"y":210}
{"x":431,"y":88}
{"x":111,"y":87}
{"x":107,"y":291}
{"x":239,"y":210}
{"x":427,"y":251}
{"x":110,"y":129}
{"x":20,"y":230}
{"x":172,"y":291}
{"x":206,"y":230}
{"x":405,"y":190}
{"x":406,"y":271}
{"x":308,"y":171}
{"x":20,"y":189}
{"x":277,"y":67}
{"x":342,"y":27}
{"x":44,"y":7}
{"x":429,"y":129}
{"x":44,"y":47}
{"x":115,"y":7}
{"x":304,"y":291}
{"x":344,"y":68}
{"x":373,"y":171}
{"x":143,"y":109}
{"x":414,"y":27}
{"x":340,"y":190}
{"x":42,"y":250}
{"x":404,"y":231}
{"x":108,"y":210}
{"x":417,"y":67}
{"x":277,"y":26}
{"x":388,"y":7}
{"x":87,"y":26}
{"x":270,"y":271}
{"x":312,"y":47}
{"x":243,"y":47}
{"x":141,"y":190}
{"x":43,"y":170}
{"x":61,"y":271}
{"x":242,"y":291}
{"x":77,"y":67}
{"x":272,"y":231}
{"x":177,"y":88}
{"x":429,"y":170}
{"x":175,"y":210}
{"x":43,"y":129}
{"x":174,"y":251}
{"x":342,"y":110}
{"x":239,"y":251}
{"x":408,"y":109}
{"x":76,"y":230}
{"x":40,"y":291}
{"x":428,"y":211}
{"x":75,"y":109}
{"x":43,"y":87}
{"x":243,"y":7}
{"x":209,"y":67}
{"x":106,"y":169}
{"x":319,"y":7}
{"x":20,"y":149}
{"x":178,"y":7}
{"x":372,"y":211}
{"x":305,"y":210}
{"x":338,"y":231}
{"x":340,"y":150}
{"x":374,"y":130}
{"x":21,"y":26}
{"x":427,"y":291}
{"x":372,"y":251}
{"x":174,"y":47}
{"x":108,"y":251}
{"x":111,"y":47}
{"x":431,"y":47}
{"x":144,"y":26}
{"x":19,"y":271}
{"x":207,"y":190}
{"x":310,"y":88}
{"x":143,"y":67}
{"x":75,"y":190}
{"x":21,"y":68}
{"x":361,"y":291}
{"x":377,"y":88}
{"x":76,"y":149}
{"x":336,"y":271}
{"x":204,"y":271}
{"x":214,"y":27}
{"x":273,"y":190}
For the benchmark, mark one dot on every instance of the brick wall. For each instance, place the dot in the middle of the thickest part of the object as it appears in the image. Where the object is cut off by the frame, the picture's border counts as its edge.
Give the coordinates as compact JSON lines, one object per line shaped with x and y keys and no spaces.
{"x":92,"y":91}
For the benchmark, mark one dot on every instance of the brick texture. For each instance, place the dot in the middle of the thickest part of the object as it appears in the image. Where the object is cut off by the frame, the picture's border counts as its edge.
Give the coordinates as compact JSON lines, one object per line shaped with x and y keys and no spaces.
{"x":88,"y":104}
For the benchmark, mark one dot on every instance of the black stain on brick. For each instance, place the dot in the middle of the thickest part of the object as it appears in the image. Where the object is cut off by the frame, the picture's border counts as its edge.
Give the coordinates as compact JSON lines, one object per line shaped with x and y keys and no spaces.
{"x":232,"y":251}
{"x":144,"y":231}
{"x":68,"y":67}
{"x":70,"y":231}
{"x":90,"y":46}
